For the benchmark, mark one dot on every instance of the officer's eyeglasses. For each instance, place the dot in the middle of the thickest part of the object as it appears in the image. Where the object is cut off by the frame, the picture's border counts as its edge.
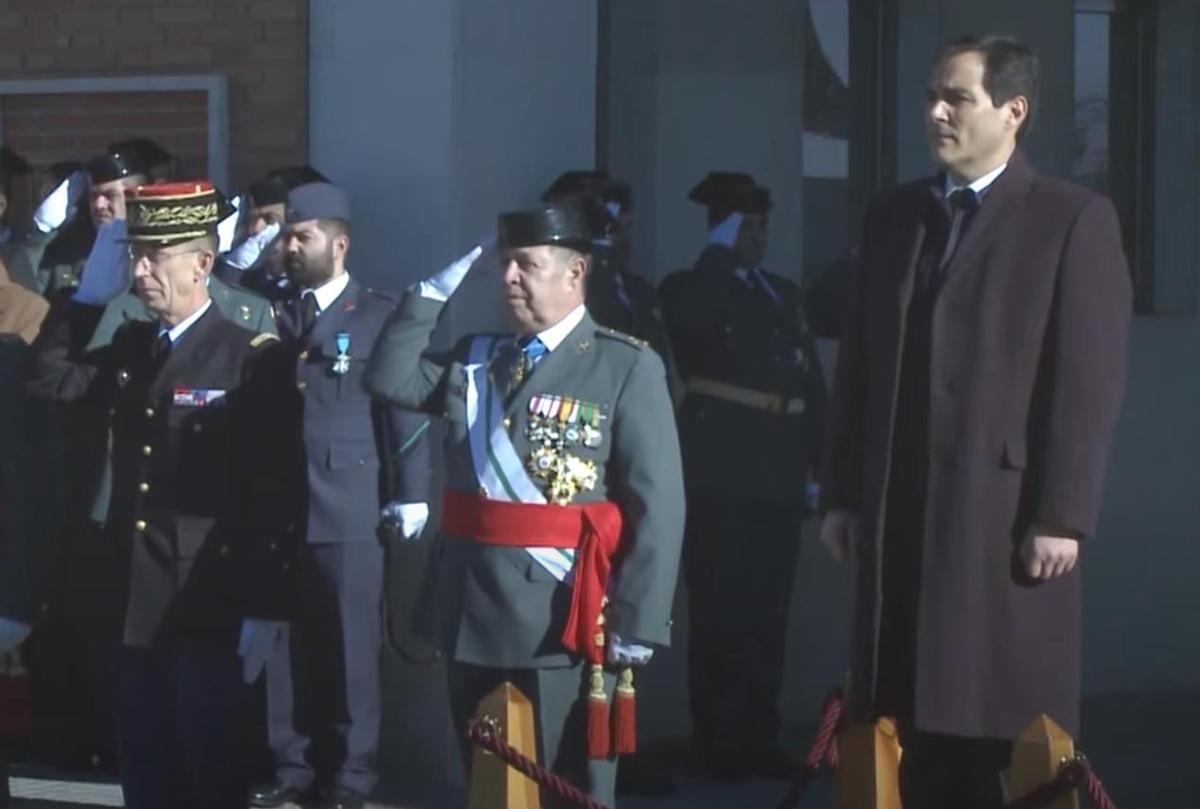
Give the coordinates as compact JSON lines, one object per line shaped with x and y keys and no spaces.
{"x":158,"y":256}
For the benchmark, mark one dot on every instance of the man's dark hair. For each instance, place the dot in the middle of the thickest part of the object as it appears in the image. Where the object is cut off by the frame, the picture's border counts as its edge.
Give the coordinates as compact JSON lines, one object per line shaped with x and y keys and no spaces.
{"x":334,"y":227}
{"x":1010,"y":69}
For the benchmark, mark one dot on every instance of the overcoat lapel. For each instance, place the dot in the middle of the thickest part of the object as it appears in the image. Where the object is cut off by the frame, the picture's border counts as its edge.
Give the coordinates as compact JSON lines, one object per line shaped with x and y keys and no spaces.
{"x":1000,"y":202}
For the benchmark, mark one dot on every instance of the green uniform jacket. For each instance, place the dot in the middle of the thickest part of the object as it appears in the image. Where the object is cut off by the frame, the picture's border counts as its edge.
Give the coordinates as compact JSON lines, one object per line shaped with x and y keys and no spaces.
{"x":246,"y":309}
{"x":497,"y":606}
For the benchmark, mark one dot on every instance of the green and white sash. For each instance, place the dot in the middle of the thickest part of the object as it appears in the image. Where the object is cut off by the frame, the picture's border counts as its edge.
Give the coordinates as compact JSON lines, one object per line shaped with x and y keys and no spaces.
{"x":498,"y":468}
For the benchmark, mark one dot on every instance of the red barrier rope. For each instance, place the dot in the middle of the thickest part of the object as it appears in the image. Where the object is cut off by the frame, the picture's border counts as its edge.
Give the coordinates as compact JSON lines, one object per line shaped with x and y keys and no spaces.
{"x":1074,"y":774}
{"x":822,"y":753}
{"x":483,"y":733}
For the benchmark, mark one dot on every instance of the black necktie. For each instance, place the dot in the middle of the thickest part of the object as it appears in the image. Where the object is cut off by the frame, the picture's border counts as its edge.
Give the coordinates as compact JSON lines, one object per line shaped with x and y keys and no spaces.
{"x":162,"y":346}
{"x":308,"y":313}
{"x":963,"y":203}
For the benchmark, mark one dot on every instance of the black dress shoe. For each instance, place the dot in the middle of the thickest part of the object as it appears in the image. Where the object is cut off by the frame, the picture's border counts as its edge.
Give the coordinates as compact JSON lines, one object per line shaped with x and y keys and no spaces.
{"x":342,"y":798}
{"x":275,"y":794}
{"x":772,"y":762}
{"x":723,"y":765}
{"x":640,"y":775}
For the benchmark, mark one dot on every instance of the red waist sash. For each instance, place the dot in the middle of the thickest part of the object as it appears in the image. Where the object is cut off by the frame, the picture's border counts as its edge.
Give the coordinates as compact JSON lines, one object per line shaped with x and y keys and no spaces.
{"x":592,"y":530}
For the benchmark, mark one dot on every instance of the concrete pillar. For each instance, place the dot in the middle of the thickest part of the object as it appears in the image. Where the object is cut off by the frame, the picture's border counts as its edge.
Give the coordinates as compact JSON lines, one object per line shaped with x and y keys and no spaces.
{"x":436,"y":115}
{"x":697,"y":85}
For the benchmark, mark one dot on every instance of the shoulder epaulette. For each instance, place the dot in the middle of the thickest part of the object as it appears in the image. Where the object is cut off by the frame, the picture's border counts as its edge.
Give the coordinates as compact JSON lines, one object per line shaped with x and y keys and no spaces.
{"x":262,"y":338}
{"x":628,"y":339}
{"x":386,"y":297}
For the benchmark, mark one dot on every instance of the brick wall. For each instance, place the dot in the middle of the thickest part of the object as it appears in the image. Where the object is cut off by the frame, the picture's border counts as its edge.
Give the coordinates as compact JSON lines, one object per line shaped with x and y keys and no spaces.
{"x":260,"y":45}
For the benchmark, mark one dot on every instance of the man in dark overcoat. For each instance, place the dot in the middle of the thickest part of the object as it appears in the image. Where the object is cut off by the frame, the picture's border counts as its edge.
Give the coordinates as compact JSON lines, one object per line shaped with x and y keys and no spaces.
{"x":979,"y":379}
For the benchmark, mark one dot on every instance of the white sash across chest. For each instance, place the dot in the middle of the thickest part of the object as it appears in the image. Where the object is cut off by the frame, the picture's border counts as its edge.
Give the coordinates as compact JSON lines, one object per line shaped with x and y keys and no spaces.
{"x":498,"y":468}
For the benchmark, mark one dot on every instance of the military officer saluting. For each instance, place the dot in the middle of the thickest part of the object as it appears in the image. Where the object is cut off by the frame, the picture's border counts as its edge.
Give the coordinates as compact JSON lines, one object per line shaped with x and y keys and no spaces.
{"x":190,"y":430}
{"x":750,"y":428}
{"x":562,"y":461}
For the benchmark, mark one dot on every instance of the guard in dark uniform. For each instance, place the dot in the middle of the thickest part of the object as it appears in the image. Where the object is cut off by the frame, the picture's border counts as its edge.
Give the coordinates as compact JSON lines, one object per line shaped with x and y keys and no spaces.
{"x":192,"y":429}
{"x":627,"y":302}
{"x":749,"y":426}
{"x":616,"y":296}
{"x":363,"y":458}
{"x":158,"y":163}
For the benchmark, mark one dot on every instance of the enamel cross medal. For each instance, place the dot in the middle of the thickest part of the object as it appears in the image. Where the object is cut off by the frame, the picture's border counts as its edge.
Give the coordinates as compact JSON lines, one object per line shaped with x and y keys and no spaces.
{"x":341,"y":363}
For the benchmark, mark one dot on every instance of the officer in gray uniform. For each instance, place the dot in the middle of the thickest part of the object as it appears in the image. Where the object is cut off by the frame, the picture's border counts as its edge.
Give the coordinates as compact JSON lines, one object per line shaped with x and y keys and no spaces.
{"x":561,"y":452}
{"x":750,"y":427}
{"x":363,"y":457}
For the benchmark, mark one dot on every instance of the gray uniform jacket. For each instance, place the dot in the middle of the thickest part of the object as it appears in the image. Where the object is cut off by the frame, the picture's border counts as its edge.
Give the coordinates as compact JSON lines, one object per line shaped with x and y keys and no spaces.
{"x":497,"y":606}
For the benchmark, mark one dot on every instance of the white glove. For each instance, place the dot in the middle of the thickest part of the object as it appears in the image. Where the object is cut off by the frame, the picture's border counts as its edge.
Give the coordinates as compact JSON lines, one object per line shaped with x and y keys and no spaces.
{"x":411,"y":517}
{"x":12,"y":633}
{"x":246,"y":254}
{"x":107,"y":272}
{"x":441,"y":286}
{"x":725,"y":233}
{"x":57,"y":206}
{"x":621,"y":653}
{"x":255,"y":644}
{"x":227,"y":228}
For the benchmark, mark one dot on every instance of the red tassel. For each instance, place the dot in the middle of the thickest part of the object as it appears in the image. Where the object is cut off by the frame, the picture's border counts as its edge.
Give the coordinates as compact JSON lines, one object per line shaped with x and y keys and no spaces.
{"x":625,"y":716}
{"x":598,"y":742}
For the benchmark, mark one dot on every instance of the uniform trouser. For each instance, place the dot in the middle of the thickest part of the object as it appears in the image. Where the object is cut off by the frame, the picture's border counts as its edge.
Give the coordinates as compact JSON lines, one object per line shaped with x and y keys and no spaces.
{"x":177,"y":729}
{"x":939,"y":771}
{"x":323,"y":697}
{"x":4,"y":794}
{"x":740,"y":564}
{"x":559,"y":698}
{"x":73,"y":660}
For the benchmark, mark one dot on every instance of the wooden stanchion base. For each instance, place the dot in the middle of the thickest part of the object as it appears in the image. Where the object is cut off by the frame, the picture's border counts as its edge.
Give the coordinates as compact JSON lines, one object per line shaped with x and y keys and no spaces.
{"x":495,"y":785}
{"x":868,"y":773}
{"x":1038,"y":755}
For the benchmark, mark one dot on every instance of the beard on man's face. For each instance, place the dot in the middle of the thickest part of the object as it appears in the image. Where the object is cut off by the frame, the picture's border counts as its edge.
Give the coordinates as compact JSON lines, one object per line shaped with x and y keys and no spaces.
{"x":309,"y":272}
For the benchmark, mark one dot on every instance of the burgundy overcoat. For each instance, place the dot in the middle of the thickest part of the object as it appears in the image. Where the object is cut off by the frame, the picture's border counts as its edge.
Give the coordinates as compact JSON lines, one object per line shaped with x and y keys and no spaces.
{"x":1029,"y":337}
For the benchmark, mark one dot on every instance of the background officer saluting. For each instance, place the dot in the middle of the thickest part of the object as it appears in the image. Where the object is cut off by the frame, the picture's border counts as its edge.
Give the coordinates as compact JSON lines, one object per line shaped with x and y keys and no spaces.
{"x":749,"y":426}
{"x":617,"y":297}
{"x":256,"y":263}
{"x":561,"y":454}
{"x":323,"y":690}
{"x":190,"y":427}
